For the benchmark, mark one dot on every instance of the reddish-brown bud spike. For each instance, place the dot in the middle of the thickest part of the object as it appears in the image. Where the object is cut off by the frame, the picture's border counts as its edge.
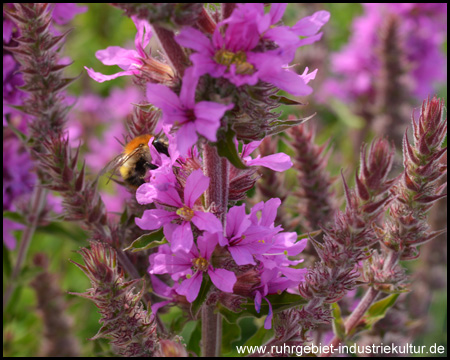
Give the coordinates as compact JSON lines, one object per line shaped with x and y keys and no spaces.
{"x":410,"y":184}
{"x":80,"y":180}
{"x":63,"y":83}
{"x":428,"y":199}
{"x":346,"y":189}
{"x":373,"y":208}
{"x":408,"y":152}
{"x":56,"y":40}
{"x":18,"y":50}
{"x":364,"y":171}
{"x":361,"y":189}
{"x":59,"y":67}
{"x":67,"y":174}
{"x":44,"y":27}
{"x":14,"y":16}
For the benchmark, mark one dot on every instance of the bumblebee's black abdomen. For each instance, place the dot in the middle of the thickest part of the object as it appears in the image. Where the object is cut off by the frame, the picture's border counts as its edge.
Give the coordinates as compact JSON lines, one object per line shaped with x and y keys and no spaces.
{"x":137,"y":176}
{"x":161,"y":147}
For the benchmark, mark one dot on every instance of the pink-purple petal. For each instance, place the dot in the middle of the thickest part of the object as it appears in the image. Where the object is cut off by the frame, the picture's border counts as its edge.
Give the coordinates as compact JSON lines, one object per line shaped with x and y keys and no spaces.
{"x":191,"y":287}
{"x":115,"y":55}
{"x":237,"y":221}
{"x":165,"y":99}
{"x":182,"y":238}
{"x":276,"y":162}
{"x":196,"y":185}
{"x":208,"y":115}
{"x":99,"y":77}
{"x":206,"y":244}
{"x":153,"y":219}
{"x":187,"y":93}
{"x":207,"y":221}
{"x":223,"y":279}
{"x":310,"y":25}
{"x":241,"y":255}
{"x":194,"y":39}
{"x":185,"y":137}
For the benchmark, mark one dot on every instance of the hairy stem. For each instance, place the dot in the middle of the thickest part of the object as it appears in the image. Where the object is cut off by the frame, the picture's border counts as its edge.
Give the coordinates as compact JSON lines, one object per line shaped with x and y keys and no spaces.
{"x":216,"y":168}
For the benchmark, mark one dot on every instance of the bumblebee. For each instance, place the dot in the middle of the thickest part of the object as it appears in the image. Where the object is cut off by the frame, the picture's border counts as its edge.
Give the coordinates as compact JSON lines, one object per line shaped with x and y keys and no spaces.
{"x":135,"y":161}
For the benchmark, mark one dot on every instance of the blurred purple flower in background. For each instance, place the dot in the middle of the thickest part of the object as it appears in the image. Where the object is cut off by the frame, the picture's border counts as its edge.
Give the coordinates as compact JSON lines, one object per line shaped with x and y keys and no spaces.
{"x":422,"y":31}
{"x":65,"y":12}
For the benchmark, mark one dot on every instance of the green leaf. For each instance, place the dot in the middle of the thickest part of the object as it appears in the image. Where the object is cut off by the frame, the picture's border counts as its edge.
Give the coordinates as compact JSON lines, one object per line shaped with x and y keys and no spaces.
{"x":195,"y":340}
{"x":376,"y":312}
{"x":188,"y":330}
{"x":227,"y":148}
{"x":148,"y":241}
{"x":285,"y":101}
{"x":338,"y":322}
{"x":258,"y":338}
{"x":14,"y":216}
{"x":345,"y":115}
{"x":279,"y":303}
{"x":230,"y":334}
{"x":278,"y":126}
{"x":71,"y":232}
{"x":198,"y":302}
{"x":7,"y":268}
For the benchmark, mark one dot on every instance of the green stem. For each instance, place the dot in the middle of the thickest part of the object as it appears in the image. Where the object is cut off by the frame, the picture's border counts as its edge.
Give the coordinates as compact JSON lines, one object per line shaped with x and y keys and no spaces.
{"x":39,"y":196}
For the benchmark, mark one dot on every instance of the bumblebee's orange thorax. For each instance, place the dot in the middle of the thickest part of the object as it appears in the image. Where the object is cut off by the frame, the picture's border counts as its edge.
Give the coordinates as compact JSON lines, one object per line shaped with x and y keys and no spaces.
{"x":133,"y":144}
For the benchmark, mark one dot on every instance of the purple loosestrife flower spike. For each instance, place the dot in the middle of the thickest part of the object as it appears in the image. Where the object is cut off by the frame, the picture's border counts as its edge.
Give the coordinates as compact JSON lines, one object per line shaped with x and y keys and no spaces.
{"x":418,"y":189}
{"x":316,"y":196}
{"x":346,"y":241}
{"x":130,"y":329}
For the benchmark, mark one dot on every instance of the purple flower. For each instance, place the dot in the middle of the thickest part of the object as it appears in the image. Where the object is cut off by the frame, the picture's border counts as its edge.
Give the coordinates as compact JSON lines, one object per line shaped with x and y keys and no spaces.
{"x":65,"y":12}
{"x":129,"y":60}
{"x":162,"y":290}
{"x":177,"y":222}
{"x":242,"y":239}
{"x":133,"y":62}
{"x":8,"y":238}
{"x":271,"y":283}
{"x":236,"y":55}
{"x":193,"y":265}
{"x":276,"y":162}
{"x":358,"y":64}
{"x":183,"y":114}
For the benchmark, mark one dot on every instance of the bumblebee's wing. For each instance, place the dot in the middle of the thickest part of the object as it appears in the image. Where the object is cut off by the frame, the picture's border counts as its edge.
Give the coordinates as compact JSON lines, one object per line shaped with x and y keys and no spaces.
{"x":116,"y":163}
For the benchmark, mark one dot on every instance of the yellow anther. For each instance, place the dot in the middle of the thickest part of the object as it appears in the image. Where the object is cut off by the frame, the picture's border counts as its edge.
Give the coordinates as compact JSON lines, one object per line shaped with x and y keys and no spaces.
{"x":239,"y":59}
{"x":200,"y":263}
{"x":279,"y":292}
{"x":188,"y":276}
{"x":185,"y":213}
